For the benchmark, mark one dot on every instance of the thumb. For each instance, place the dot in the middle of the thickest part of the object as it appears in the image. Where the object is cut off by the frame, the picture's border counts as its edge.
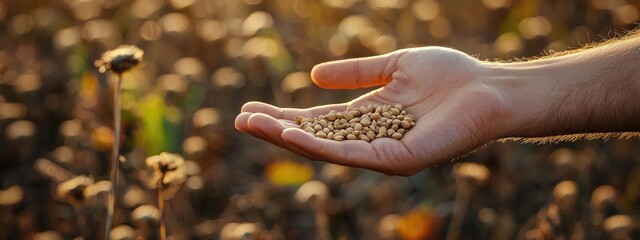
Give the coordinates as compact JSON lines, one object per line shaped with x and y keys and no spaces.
{"x":356,"y":72}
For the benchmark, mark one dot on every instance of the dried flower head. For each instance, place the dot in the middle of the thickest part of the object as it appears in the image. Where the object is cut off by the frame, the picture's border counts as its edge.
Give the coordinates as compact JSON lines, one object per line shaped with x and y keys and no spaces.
{"x":120,"y":59}
{"x":168,"y":168}
{"x":146,"y":213}
{"x":73,"y":189}
{"x":473,"y":172}
{"x":618,"y":225}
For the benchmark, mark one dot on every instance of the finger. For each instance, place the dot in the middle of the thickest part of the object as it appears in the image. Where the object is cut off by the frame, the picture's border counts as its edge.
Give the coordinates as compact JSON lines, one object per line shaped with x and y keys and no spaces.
{"x":355,"y":73}
{"x":241,"y":122}
{"x":270,"y":129}
{"x":290,"y":113}
{"x":349,"y":153}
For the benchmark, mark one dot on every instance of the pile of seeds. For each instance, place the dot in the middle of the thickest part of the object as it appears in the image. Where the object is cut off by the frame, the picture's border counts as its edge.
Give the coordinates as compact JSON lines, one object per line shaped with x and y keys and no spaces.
{"x":364,"y":123}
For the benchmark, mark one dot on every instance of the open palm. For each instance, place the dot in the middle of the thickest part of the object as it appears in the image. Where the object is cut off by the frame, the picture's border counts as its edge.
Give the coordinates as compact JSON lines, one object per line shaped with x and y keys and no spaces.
{"x":456,"y":110}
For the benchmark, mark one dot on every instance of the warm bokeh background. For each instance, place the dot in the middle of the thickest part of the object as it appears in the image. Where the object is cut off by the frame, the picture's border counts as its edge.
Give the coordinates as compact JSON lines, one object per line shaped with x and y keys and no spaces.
{"x":205,"y":58}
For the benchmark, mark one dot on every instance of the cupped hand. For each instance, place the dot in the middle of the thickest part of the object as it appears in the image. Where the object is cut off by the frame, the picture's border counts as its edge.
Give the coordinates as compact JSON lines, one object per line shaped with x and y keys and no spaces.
{"x":457,"y":110}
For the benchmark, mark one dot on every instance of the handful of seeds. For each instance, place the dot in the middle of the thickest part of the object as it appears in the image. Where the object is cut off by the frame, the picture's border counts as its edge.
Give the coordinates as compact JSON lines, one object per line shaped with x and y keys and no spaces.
{"x":364,"y":123}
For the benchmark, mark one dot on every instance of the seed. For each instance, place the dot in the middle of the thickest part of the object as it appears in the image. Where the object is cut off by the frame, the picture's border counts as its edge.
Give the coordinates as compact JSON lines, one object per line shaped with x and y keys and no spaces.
{"x":348,"y":116}
{"x":396,"y":135}
{"x":321,"y":135}
{"x":382,"y":130}
{"x":371,"y":135}
{"x":362,"y":109}
{"x":370,"y":108}
{"x":351,"y":137}
{"x":360,"y":122}
{"x":390,"y":132}
{"x":331,"y":116}
{"x":323,"y":123}
{"x":365,"y":122}
{"x":405,"y":124}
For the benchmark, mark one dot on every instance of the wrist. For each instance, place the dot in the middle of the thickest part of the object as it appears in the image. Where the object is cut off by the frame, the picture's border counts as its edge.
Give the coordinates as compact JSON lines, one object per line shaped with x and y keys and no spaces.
{"x":587,"y":92}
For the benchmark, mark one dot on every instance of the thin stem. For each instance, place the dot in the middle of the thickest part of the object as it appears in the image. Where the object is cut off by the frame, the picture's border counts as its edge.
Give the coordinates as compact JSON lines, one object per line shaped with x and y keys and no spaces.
{"x":163,"y":227}
{"x":114,"y":157}
{"x":459,"y":209}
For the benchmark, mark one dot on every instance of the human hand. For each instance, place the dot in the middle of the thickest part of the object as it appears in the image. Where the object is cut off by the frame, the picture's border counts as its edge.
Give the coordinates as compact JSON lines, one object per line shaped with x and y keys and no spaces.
{"x":457,"y":110}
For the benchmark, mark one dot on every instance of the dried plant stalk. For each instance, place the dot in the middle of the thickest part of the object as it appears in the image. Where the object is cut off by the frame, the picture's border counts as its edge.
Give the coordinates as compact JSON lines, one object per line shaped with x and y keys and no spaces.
{"x":163,"y":226}
{"x":115,"y":153}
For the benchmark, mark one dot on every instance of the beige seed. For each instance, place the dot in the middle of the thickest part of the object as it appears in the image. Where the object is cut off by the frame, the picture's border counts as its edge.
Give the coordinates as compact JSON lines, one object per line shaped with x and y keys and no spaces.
{"x":386,"y":114}
{"x":330,"y":135}
{"x":321,"y":135}
{"x":375,"y":116}
{"x":356,"y":132}
{"x":317,"y":127}
{"x":370,"y":108}
{"x":351,"y":137}
{"x":362,"y":109}
{"x":394,"y":111}
{"x":405,"y":124}
{"x":338,"y":138}
{"x":349,"y":130}
{"x":331,"y":116}
{"x":409,"y":117}
{"x":323,"y":123}
{"x":398,"y":106}
{"x":413,"y":124}
{"x":298,"y":119}
{"x":304,"y":125}
{"x":403,"y":112}
{"x":343,"y":121}
{"x":348,"y":116}
{"x":382,"y":130}
{"x":378,"y":109}
{"x":343,"y":132}
{"x":396,"y":135}
{"x":402,"y":130}
{"x":340,"y":115}
{"x":396,"y":121}
{"x":401,"y":117}
{"x":357,"y":126}
{"x":390,"y":132}
{"x":310,"y":130}
{"x":326,"y":130}
{"x":364,"y":137}
{"x":395,"y":127}
{"x":349,"y":108}
{"x":331,"y":127}
{"x":371,"y":135}
{"x":365,"y":122}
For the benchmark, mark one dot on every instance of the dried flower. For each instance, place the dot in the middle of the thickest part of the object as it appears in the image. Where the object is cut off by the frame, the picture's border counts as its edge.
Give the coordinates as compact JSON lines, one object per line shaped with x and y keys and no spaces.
{"x":168,"y":168}
{"x":73,"y":189}
{"x":120,"y":59}
{"x":147,"y":213}
{"x":11,"y":196}
{"x":473,"y":172}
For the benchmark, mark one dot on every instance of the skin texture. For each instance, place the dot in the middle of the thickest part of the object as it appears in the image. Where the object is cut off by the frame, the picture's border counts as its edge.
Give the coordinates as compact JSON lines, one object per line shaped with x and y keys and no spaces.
{"x":462,"y":103}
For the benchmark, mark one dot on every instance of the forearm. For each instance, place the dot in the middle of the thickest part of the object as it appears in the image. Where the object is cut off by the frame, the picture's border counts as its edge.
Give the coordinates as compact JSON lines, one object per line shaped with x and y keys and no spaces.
{"x":590,"y":91}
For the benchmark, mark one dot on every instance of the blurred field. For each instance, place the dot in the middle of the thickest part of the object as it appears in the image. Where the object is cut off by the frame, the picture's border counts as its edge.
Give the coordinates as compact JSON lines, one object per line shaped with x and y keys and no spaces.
{"x":205,"y":58}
